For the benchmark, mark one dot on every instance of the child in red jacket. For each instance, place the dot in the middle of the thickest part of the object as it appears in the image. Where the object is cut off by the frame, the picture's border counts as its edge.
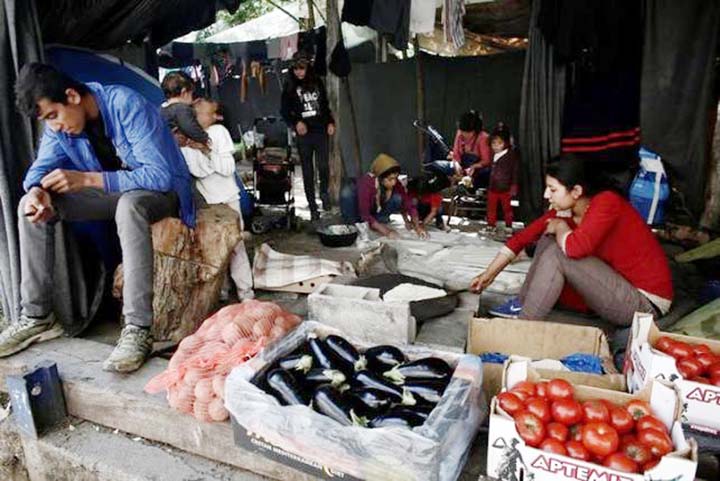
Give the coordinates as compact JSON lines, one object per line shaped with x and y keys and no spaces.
{"x":503,"y":176}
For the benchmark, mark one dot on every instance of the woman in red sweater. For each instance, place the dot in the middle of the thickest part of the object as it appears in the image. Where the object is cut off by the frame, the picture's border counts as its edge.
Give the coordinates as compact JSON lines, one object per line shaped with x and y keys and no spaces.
{"x":594,"y":253}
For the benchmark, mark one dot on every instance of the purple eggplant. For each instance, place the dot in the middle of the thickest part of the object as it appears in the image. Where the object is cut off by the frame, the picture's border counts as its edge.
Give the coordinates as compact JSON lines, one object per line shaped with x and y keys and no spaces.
{"x":425,"y":392}
{"x":283,"y":387}
{"x":296,"y":363}
{"x":383,"y":358}
{"x":370,"y":401}
{"x":366,"y":379}
{"x":319,"y":376}
{"x":344,"y":350}
{"x":398,"y":417}
{"x":325,"y":358}
{"x":427,"y":369}
{"x":328,"y":401}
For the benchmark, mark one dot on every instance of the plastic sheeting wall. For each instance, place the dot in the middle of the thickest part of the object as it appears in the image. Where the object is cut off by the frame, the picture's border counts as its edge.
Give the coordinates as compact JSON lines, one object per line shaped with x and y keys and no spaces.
{"x":385,"y":97}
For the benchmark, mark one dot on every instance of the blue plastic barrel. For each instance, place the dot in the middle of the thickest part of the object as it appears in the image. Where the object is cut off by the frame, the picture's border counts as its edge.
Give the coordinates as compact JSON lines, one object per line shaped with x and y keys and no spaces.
{"x":649,"y":190}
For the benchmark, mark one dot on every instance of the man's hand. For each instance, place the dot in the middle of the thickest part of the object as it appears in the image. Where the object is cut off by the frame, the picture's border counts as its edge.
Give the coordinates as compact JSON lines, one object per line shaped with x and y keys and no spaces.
{"x":481,"y":282}
{"x":421,"y":232}
{"x":38,"y":206}
{"x":557,"y":227}
{"x":61,"y":181}
{"x":331,"y":129}
{"x":470,"y":171}
{"x":301,"y":128}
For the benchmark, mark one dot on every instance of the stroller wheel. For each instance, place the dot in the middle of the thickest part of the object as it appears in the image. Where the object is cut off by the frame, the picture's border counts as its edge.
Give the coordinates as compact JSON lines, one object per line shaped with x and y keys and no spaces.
{"x":259,"y":226}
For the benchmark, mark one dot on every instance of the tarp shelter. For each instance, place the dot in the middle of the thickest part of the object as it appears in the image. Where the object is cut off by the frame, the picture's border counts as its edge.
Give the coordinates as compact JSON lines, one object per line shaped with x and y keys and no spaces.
{"x":96,"y":24}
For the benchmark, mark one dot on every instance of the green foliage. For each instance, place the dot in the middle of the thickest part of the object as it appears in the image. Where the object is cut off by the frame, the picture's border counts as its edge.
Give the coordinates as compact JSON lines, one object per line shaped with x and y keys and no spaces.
{"x":248,"y":10}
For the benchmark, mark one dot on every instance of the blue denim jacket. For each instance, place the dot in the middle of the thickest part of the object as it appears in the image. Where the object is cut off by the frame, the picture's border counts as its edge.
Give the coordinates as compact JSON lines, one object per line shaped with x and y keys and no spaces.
{"x":143,"y":142}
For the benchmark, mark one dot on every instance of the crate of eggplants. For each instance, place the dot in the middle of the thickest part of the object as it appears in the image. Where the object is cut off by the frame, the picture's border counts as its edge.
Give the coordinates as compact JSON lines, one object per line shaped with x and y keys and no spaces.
{"x":378,"y":388}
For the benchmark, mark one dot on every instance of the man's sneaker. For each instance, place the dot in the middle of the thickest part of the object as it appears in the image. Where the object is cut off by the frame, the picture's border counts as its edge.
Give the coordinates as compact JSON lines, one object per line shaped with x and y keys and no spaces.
{"x":132,"y":349}
{"x":26,"y":331}
{"x":510,"y":309}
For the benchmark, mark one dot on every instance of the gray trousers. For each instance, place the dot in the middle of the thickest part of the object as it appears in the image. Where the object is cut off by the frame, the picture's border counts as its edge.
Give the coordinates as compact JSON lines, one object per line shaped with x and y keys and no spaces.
{"x":134,"y":212}
{"x":604,"y":290}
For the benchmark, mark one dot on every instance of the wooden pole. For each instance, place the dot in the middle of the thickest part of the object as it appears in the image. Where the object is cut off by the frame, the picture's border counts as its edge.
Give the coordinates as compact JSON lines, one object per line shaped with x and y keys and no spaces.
{"x":333,"y":88}
{"x":311,"y":15}
{"x":420,"y":104}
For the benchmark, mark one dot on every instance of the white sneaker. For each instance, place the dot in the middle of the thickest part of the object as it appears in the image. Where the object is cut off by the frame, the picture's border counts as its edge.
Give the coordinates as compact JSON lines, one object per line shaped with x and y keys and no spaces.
{"x":26,"y":331}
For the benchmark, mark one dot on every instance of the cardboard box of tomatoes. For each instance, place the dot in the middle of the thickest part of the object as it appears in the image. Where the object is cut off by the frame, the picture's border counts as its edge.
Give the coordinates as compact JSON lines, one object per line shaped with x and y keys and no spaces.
{"x":549,"y":429}
{"x":537,"y":341}
{"x":302,"y":402}
{"x":691,"y":363}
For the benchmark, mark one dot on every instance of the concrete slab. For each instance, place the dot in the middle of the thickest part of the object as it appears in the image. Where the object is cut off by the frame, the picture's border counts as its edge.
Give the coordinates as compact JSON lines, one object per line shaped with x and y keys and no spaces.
{"x":82,"y":451}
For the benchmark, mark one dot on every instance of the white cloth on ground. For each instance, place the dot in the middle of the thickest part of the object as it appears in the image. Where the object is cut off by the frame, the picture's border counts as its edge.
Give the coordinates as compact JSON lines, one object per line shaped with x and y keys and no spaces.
{"x":240,"y":269}
{"x":215,"y":172}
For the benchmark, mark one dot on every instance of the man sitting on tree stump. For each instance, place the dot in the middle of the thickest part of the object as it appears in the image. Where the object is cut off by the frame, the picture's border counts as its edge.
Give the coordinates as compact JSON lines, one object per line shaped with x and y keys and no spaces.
{"x":105,"y":153}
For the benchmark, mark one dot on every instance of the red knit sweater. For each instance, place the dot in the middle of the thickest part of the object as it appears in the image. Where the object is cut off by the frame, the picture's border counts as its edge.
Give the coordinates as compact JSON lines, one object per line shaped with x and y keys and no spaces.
{"x":614,"y":232}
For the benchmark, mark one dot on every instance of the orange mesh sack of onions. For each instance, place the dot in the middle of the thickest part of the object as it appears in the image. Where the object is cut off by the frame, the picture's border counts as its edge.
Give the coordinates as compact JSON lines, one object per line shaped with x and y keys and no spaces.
{"x":195,"y":377}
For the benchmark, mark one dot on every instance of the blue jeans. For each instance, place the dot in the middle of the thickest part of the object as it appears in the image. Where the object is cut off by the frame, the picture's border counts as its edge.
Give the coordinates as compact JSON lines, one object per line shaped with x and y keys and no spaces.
{"x":349,"y":206}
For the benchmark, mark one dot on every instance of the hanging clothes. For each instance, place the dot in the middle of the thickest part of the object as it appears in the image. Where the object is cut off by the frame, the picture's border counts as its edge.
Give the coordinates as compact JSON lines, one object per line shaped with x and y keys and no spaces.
{"x":392,"y":17}
{"x":288,"y":46}
{"x":273,"y":48}
{"x":314,"y":43}
{"x":422,"y":16}
{"x":452,"y":18}
{"x":357,"y":12}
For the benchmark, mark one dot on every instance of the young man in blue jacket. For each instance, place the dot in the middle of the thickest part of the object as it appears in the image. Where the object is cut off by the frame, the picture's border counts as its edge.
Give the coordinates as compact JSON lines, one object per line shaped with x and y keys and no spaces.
{"x":105,"y":153}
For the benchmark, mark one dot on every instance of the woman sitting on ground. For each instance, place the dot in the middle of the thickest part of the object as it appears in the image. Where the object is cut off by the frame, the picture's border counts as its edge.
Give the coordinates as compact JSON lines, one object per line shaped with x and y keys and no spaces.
{"x":594,"y":253}
{"x":376,"y":196}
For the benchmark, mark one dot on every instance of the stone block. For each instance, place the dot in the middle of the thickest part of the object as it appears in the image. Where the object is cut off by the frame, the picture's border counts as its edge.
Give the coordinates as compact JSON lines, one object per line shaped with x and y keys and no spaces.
{"x":361,"y":313}
{"x":190,"y":268}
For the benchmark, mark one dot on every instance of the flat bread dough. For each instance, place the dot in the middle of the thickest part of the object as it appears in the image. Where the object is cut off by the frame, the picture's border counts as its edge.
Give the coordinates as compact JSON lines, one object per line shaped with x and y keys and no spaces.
{"x":412,"y":292}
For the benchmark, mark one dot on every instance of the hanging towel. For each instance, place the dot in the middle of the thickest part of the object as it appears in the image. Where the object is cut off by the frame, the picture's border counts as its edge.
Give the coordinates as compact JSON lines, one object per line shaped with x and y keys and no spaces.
{"x":452,"y":17}
{"x":288,"y":46}
{"x":392,"y":17}
{"x":422,"y":16}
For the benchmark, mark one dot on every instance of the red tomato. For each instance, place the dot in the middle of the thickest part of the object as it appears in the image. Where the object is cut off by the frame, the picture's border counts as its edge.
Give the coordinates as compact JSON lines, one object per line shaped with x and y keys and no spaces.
{"x":595,"y":411}
{"x":698,"y":349}
{"x":530,"y":428}
{"x":650,"y":464}
{"x":575,"y":449}
{"x":576,"y":433}
{"x":663,"y":344}
{"x":553,"y":446}
{"x":608,"y":404}
{"x":701,"y":380}
{"x":510,"y":403}
{"x":638,"y":408}
{"x":621,"y":462}
{"x":689,"y":367}
{"x":627,"y":439}
{"x":650,"y":422}
{"x":714,"y":370}
{"x":557,"y":431}
{"x":526,"y":386}
{"x":621,"y":420}
{"x":540,"y":407}
{"x":522,"y":395}
{"x":600,"y":439}
{"x":541,"y":389}
{"x":636,"y":451}
{"x":559,"y":389}
{"x":715,"y":380}
{"x":566,"y":411}
{"x":680,"y":350}
{"x":658,"y":441}
{"x":706,"y":360}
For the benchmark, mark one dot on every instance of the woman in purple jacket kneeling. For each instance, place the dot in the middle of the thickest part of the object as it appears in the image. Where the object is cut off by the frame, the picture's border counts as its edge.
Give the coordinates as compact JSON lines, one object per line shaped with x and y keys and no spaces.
{"x":376,"y":195}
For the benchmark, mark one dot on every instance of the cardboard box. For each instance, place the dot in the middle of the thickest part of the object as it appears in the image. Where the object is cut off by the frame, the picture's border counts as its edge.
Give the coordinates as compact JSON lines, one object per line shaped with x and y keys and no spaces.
{"x":541,"y":340}
{"x":510,"y":459}
{"x":307,"y":440}
{"x":643,"y":363}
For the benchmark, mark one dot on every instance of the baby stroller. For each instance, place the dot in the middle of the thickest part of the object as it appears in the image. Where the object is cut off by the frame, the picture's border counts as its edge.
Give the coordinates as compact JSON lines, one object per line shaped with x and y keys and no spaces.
{"x":273,"y":174}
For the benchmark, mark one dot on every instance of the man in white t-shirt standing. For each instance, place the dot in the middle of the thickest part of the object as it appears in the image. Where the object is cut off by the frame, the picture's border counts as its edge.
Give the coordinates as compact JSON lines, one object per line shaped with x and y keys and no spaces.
{"x":215,"y":180}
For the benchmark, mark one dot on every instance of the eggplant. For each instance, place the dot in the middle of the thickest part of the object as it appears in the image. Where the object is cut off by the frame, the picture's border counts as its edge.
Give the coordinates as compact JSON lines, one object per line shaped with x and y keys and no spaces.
{"x":370,"y":401}
{"x":329,"y":402}
{"x":284,"y":388}
{"x":426,"y":392}
{"x":400,"y":417}
{"x":319,"y":376}
{"x":427,"y":369}
{"x":296,"y":363}
{"x":324,"y":357}
{"x":382,"y":358}
{"x":366,"y":379}
{"x":344,"y":350}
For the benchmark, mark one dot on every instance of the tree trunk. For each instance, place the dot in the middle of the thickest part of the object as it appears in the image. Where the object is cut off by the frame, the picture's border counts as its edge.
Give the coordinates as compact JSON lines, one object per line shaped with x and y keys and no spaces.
{"x":333,"y":88}
{"x":420,"y":106}
{"x":711,"y":216}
